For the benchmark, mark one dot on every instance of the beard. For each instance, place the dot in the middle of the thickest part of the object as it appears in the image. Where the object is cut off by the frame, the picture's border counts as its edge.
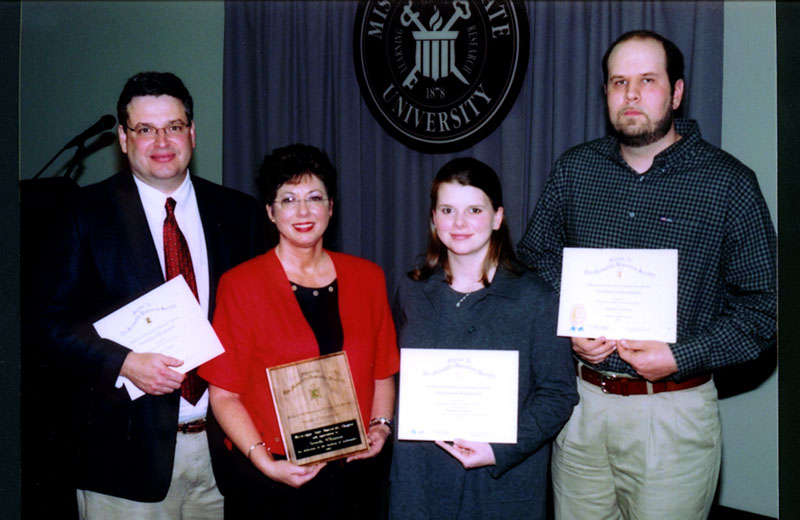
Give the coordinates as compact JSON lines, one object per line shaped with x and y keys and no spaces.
{"x":638,"y":137}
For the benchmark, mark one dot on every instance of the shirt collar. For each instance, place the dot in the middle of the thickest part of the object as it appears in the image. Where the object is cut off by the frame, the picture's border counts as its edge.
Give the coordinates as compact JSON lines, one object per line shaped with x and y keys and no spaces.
{"x":151,"y":197}
{"x":667,"y":159}
{"x":504,"y":284}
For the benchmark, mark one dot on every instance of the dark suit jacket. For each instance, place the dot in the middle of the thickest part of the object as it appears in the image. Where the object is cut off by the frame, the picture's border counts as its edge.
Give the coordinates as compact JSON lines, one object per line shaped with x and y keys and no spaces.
{"x":104,"y":258}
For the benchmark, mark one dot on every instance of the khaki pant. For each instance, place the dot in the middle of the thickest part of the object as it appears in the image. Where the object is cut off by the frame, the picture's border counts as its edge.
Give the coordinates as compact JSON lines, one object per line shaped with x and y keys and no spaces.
{"x":192,"y":495}
{"x":640,"y":457}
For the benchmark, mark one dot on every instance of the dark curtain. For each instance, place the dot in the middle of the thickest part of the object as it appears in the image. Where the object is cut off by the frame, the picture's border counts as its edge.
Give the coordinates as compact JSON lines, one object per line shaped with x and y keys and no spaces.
{"x":289,"y":77}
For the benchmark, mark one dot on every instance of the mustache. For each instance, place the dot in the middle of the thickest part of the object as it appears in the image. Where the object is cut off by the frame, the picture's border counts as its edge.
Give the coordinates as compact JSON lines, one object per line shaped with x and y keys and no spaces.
{"x":624,"y":109}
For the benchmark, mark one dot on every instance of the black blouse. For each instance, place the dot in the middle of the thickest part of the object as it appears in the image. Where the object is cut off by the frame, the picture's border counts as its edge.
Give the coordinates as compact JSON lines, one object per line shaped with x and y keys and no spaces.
{"x":320,"y":307}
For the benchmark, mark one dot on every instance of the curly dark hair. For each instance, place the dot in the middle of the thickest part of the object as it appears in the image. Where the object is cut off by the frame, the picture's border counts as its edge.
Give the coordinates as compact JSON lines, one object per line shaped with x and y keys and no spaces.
{"x":290,"y":164}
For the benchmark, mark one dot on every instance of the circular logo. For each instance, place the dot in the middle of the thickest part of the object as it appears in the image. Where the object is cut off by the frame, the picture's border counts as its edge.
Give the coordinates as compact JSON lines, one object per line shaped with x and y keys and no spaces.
{"x":440,"y":75}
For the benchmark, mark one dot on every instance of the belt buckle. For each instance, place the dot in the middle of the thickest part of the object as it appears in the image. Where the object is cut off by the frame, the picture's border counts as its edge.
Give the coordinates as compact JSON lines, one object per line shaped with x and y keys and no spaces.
{"x":195,"y":426}
{"x":606,"y":379}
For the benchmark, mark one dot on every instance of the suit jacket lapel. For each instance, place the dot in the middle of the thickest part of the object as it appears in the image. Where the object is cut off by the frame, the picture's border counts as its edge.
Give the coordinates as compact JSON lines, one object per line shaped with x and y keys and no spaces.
{"x":209,"y":209}
{"x":135,"y":232}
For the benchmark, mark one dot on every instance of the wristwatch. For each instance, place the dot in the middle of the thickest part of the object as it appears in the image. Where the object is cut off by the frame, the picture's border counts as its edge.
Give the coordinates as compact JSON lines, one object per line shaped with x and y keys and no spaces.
{"x":381,"y":420}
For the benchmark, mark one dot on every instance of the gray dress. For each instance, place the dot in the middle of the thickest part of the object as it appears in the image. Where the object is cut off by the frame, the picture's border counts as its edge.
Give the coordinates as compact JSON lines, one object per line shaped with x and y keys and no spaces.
{"x":513,"y":313}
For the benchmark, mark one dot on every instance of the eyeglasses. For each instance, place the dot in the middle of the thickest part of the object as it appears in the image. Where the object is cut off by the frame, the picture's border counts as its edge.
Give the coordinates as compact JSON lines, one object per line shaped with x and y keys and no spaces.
{"x":314,"y":201}
{"x":150,"y":133}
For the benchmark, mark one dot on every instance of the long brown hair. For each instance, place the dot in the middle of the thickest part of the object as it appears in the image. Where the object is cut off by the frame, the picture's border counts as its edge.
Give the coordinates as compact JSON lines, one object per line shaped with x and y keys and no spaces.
{"x":468,"y":171}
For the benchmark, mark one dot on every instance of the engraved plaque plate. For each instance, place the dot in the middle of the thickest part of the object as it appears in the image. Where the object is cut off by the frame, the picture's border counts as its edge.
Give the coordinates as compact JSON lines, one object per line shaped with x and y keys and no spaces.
{"x":317,"y":409}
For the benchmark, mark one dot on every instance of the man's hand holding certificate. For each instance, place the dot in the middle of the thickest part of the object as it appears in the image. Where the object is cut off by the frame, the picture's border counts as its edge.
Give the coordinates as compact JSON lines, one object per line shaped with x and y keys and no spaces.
{"x":167,"y":320}
{"x":627,"y":294}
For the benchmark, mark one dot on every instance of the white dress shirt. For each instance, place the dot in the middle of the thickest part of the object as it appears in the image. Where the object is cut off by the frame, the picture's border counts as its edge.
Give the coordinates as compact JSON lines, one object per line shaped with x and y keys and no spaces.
{"x":187,"y":215}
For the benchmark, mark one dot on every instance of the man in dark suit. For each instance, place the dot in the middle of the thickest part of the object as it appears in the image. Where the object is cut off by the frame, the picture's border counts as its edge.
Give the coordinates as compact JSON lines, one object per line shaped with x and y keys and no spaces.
{"x":143,"y":458}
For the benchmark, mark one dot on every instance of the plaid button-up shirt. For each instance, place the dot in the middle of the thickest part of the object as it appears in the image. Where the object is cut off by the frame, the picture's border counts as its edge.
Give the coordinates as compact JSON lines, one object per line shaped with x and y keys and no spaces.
{"x":695,"y":198}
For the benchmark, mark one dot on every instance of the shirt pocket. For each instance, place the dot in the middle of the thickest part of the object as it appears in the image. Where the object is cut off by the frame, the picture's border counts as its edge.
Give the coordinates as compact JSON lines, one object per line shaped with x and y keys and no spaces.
{"x":670,"y":230}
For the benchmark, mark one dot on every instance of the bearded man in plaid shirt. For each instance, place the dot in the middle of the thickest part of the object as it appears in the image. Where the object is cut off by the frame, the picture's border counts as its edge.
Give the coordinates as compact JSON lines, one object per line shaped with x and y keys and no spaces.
{"x":647,"y":444}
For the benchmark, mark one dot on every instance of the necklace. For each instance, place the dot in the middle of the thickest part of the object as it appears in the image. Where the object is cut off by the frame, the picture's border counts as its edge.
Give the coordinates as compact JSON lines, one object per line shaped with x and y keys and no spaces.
{"x":458,"y":304}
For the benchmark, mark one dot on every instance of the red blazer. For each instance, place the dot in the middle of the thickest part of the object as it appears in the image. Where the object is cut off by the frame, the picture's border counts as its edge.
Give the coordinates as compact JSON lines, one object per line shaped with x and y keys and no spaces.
{"x":261,"y":325}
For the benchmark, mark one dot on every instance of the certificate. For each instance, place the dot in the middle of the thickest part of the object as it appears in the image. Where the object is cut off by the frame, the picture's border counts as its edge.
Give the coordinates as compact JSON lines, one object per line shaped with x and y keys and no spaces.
{"x":167,"y":320}
{"x":450,"y":393}
{"x":317,"y":409}
{"x":619,"y":294}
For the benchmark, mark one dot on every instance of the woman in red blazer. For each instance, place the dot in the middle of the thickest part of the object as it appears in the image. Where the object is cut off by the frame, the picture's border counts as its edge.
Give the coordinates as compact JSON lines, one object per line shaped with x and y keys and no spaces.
{"x":295,"y":302}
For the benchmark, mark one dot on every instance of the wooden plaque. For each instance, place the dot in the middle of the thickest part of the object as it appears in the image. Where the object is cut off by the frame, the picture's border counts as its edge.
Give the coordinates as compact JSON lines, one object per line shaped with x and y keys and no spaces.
{"x":317,"y":409}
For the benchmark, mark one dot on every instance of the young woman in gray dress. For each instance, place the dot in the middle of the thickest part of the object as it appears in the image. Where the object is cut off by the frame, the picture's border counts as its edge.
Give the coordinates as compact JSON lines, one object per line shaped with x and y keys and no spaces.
{"x":471,"y":293}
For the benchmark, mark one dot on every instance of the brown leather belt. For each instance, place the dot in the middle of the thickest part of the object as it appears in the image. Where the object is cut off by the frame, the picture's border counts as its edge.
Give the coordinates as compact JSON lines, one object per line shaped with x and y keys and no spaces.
{"x":618,"y":385}
{"x":196,"y":426}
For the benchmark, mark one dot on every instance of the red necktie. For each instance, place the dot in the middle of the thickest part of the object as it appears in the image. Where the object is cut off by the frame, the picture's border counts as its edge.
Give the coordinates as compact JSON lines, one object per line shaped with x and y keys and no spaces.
{"x":178,"y":260}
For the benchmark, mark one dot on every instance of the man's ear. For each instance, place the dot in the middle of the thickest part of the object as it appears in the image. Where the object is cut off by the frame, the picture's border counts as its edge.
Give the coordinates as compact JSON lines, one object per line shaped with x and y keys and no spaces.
{"x":677,"y":94}
{"x":123,"y":138}
{"x":191,"y":133}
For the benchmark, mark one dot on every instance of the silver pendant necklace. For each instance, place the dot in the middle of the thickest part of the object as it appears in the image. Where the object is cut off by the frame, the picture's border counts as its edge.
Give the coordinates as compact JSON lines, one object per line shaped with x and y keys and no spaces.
{"x":458,"y":304}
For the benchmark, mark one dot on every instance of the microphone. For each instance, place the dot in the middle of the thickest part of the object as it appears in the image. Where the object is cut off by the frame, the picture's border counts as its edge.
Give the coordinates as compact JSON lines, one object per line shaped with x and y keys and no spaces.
{"x":105,"y":122}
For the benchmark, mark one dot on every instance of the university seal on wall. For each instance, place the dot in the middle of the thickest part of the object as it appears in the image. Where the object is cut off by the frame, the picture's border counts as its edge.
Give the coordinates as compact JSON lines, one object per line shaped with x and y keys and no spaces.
{"x":440,"y":75}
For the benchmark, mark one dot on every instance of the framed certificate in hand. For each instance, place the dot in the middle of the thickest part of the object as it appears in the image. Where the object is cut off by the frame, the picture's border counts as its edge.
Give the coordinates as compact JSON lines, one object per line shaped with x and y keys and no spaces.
{"x":317,"y":409}
{"x":454,"y":393}
{"x":619,"y":294}
{"x":167,"y":320}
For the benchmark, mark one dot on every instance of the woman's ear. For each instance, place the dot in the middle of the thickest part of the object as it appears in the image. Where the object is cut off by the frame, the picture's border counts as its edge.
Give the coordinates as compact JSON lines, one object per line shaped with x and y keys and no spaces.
{"x":498,"y":218}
